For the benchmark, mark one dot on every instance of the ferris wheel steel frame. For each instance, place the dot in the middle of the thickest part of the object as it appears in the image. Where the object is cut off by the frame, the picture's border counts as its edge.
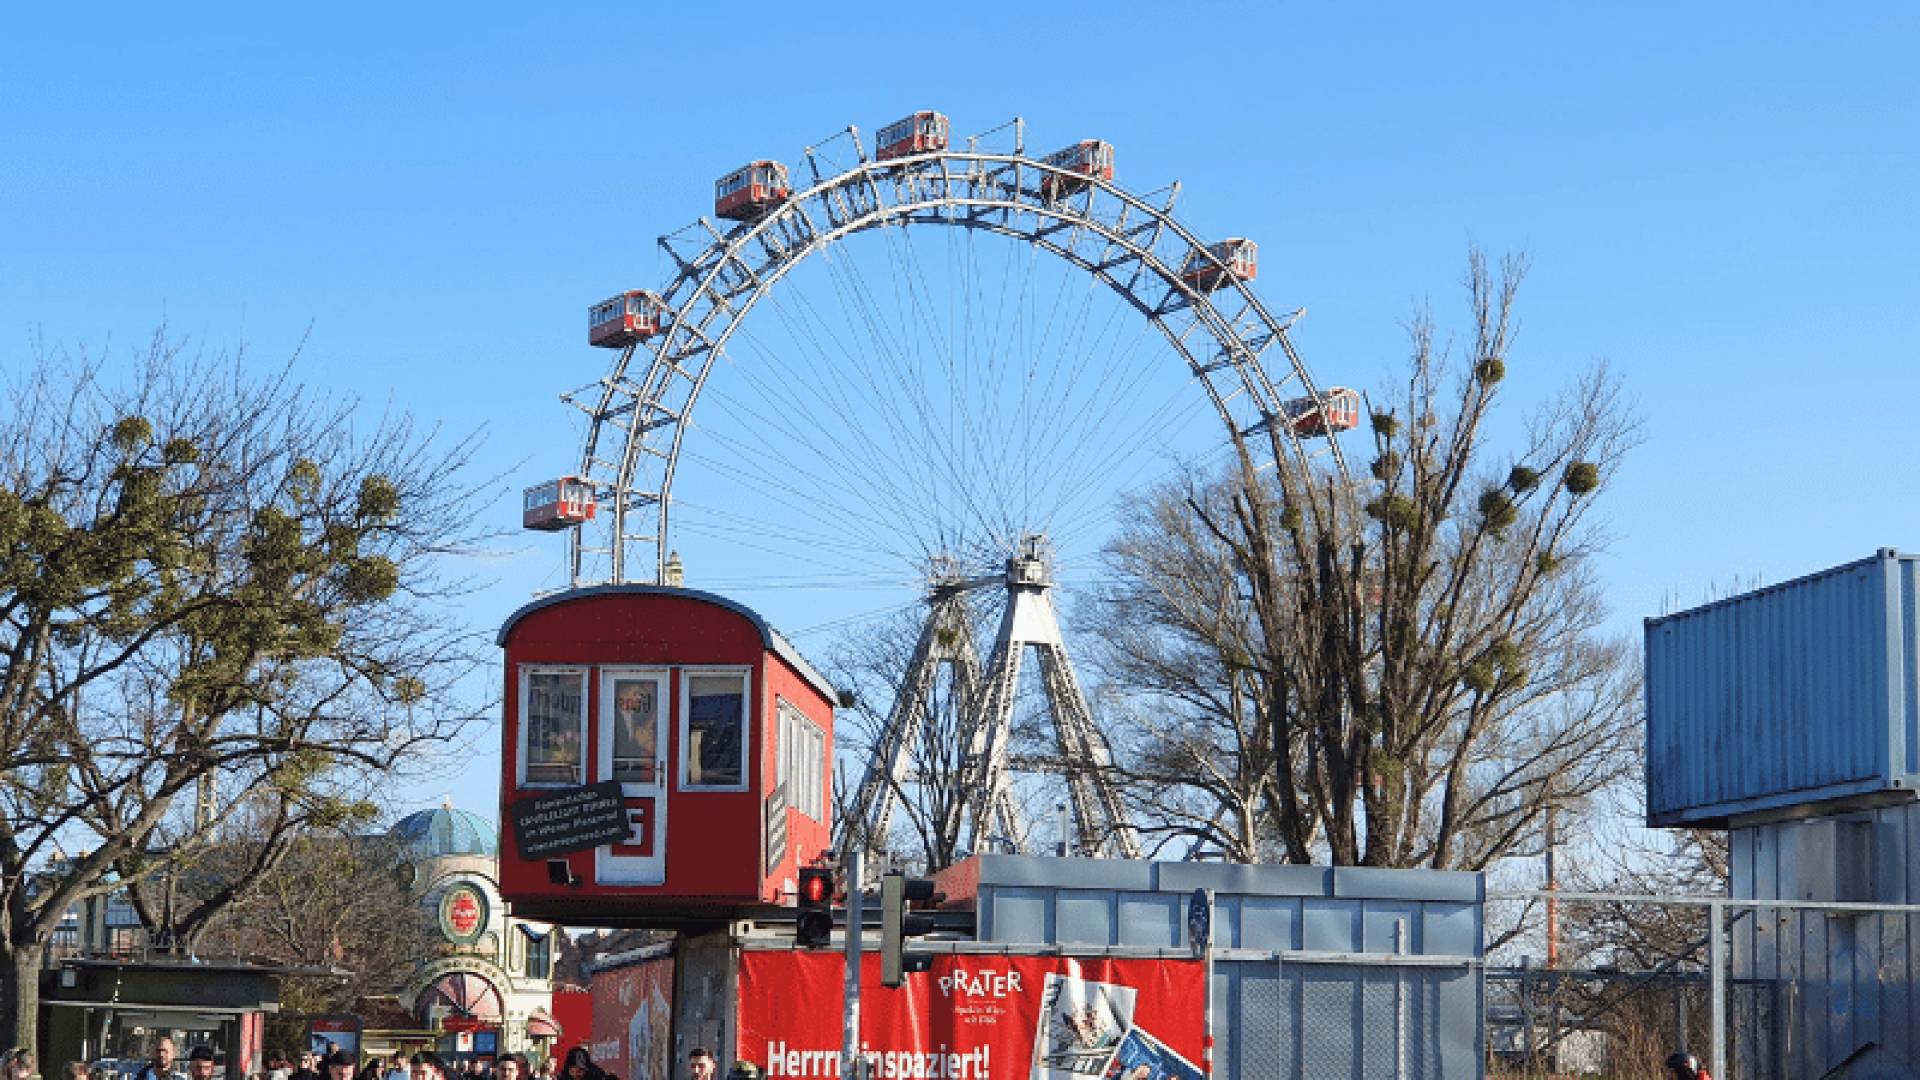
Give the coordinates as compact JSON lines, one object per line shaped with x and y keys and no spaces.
{"x":1134,"y":246}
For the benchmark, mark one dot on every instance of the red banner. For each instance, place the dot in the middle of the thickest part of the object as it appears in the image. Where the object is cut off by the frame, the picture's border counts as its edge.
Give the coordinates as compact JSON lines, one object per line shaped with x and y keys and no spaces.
{"x":633,"y":1020}
{"x":978,"y":1018}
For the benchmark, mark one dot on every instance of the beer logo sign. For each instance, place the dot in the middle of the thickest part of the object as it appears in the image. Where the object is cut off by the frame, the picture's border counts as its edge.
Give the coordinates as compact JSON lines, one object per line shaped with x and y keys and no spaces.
{"x":463,"y":914}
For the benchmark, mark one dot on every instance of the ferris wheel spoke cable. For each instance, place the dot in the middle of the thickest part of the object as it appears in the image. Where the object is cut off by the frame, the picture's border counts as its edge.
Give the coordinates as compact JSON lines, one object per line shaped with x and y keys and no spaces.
{"x":1079,"y":469}
{"x":734,"y":539}
{"x":873,"y":542}
{"x":863,"y":481}
{"x":910,"y":389}
{"x":909,"y":493}
{"x":850,"y":620}
{"x":757,"y":526}
{"x":838,"y":484}
{"x":921,"y":291}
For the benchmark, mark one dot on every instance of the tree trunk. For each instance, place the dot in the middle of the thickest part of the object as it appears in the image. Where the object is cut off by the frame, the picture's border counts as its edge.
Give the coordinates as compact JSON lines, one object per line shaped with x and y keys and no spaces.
{"x":20,"y":996}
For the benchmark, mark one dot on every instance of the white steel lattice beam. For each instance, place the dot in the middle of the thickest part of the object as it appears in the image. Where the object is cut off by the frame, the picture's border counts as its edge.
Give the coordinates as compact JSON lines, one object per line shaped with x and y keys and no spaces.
{"x":946,"y":640}
{"x":1101,"y":824}
{"x":716,"y":286}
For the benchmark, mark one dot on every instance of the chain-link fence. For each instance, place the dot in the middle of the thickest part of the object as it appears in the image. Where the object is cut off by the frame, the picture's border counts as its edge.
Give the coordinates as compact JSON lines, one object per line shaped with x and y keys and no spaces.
{"x":1757,"y":990}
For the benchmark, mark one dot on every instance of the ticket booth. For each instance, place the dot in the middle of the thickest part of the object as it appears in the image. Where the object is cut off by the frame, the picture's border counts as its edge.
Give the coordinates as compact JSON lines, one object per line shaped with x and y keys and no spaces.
{"x":666,"y":759}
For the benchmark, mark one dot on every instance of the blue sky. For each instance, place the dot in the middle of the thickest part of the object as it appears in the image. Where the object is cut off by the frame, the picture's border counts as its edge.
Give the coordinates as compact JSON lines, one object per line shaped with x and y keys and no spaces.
{"x":1717,"y":199}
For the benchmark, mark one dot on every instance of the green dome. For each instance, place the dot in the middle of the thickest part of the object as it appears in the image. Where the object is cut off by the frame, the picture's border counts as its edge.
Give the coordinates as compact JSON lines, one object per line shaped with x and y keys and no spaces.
{"x":433,"y":834}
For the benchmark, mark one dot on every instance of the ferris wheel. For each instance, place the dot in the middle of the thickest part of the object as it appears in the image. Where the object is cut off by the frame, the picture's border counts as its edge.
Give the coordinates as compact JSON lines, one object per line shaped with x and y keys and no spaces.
{"x":880,"y":399}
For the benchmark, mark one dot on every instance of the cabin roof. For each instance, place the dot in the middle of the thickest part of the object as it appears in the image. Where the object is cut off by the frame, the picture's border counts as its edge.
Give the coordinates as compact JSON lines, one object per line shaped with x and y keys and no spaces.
{"x":772,"y":640}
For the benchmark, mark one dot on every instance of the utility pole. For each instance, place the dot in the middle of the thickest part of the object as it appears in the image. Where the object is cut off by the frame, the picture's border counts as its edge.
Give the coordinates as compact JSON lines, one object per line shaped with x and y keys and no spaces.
{"x":1553,"y":887}
{"x":856,"y":924}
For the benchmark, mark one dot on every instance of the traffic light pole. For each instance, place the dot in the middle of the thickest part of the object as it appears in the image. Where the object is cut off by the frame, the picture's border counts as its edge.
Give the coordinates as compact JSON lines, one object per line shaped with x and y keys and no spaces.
{"x":856,"y":925}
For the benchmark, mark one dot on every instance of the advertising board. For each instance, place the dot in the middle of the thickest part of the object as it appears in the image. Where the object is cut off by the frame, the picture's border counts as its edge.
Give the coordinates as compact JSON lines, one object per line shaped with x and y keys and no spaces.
{"x":633,"y":1020}
{"x":978,"y":1018}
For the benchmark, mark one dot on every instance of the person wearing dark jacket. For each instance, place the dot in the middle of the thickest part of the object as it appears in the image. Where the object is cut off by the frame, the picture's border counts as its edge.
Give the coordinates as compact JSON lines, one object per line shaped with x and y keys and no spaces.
{"x":428,"y":1065}
{"x":579,"y":1066}
{"x":161,"y":1067}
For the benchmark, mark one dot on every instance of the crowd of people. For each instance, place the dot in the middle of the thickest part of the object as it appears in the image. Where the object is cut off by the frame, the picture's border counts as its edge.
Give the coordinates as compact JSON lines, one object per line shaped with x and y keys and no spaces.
{"x":336,"y":1064}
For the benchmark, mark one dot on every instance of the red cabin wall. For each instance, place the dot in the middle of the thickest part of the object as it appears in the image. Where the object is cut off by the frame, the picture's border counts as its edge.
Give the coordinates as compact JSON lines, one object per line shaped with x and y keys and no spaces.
{"x":807,"y":838}
{"x":715,"y":853}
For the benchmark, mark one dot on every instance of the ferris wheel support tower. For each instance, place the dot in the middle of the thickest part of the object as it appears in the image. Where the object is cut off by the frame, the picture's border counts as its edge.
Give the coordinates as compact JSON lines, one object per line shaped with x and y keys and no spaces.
{"x":985,"y":800}
{"x":1101,"y":824}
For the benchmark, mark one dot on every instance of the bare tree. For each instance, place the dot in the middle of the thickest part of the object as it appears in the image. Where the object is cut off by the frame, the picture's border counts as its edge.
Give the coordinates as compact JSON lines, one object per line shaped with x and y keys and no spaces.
{"x":334,"y":899}
{"x":215,"y":589}
{"x":924,"y":829}
{"x":1400,"y":672}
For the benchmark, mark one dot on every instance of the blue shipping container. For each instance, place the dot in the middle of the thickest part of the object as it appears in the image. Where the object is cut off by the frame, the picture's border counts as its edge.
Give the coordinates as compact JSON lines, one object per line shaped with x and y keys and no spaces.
{"x":1803,"y":693}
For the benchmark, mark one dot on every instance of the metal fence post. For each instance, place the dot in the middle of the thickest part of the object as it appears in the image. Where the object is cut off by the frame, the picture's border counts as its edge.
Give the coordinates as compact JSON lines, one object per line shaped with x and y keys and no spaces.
{"x":1717,"y":958}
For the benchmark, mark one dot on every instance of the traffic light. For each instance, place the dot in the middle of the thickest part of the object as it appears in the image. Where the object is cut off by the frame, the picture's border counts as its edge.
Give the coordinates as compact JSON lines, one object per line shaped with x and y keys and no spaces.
{"x":897,"y":924}
{"x":814,"y":923}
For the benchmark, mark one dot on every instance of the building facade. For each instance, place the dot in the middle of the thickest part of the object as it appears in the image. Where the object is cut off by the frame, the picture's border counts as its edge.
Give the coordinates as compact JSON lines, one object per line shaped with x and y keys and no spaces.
{"x":488,"y":990}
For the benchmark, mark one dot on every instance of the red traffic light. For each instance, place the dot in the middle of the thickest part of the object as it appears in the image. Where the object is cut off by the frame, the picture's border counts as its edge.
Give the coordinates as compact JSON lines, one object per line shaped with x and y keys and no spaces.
{"x":813,"y":926}
{"x":816,"y":888}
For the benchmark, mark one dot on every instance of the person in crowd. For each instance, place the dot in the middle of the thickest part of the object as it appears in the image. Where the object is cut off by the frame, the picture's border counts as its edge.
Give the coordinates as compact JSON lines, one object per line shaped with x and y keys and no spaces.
{"x":278,"y":1067}
{"x":1684,"y":1066}
{"x":547,"y":1069}
{"x":77,"y":1070}
{"x":700,"y":1064}
{"x":16,"y":1064}
{"x":396,"y":1068}
{"x":428,"y":1065}
{"x":200,"y":1063}
{"x":579,"y":1065}
{"x":160,"y":1066}
{"x":512,"y":1067}
{"x":309,"y":1066}
{"x":339,"y":1065}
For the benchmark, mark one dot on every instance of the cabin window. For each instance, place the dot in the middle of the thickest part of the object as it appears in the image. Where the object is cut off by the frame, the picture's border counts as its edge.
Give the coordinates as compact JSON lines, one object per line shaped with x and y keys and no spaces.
{"x":553,"y":723}
{"x":631,"y":706}
{"x":803,"y":762}
{"x":538,"y":950}
{"x":713,"y":731}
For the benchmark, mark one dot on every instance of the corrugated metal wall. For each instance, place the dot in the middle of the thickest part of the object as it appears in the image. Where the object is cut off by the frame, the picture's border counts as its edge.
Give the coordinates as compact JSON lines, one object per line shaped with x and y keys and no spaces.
{"x":1798,"y":693}
{"x":1812,"y":987}
{"x":1319,"y":972}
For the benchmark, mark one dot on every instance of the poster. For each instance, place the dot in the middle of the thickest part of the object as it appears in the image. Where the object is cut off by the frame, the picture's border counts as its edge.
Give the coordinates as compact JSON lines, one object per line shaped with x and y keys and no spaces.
{"x":334,"y":1031}
{"x":976,"y":1017}
{"x":633,"y":1020}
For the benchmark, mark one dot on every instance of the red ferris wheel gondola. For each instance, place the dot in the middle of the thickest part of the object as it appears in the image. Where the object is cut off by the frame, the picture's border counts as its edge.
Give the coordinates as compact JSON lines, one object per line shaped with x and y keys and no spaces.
{"x":921,"y":133}
{"x":627,"y":319}
{"x":1090,"y":160}
{"x":1337,"y":410}
{"x":1215,"y":265}
{"x":558,"y":504}
{"x":751,"y":191}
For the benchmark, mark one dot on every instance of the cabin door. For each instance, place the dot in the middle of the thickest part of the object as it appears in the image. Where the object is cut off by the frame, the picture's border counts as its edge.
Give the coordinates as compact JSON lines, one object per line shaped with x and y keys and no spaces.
{"x":633,"y":750}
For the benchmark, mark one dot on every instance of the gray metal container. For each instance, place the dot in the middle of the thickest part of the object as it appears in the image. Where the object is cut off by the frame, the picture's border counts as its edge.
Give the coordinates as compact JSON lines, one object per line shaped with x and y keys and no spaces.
{"x":1318,"y":971}
{"x":1804,"y":693}
{"x":1816,"y":987}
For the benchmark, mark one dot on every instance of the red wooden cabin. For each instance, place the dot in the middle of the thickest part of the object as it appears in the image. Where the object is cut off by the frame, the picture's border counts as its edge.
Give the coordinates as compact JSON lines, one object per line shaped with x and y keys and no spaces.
{"x":557,"y":504}
{"x":1091,"y":160}
{"x":1338,"y":410}
{"x":920,"y":133}
{"x":751,"y":191}
{"x":627,"y":319}
{"x":1215,"y":265}
{"x":718,"y":733}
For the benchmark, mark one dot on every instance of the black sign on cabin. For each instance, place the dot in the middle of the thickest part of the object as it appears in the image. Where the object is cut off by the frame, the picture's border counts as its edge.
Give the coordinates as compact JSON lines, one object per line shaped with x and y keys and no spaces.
{"x":577,"y":819}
